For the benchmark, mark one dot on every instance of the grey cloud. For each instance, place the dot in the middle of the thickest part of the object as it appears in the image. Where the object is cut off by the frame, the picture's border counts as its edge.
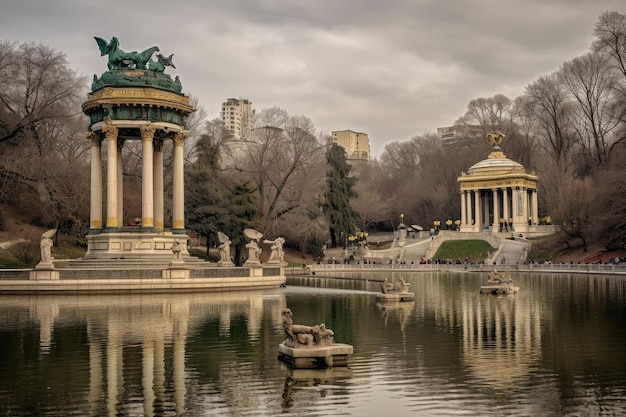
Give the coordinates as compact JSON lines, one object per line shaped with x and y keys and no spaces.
{"x":392,"y":69}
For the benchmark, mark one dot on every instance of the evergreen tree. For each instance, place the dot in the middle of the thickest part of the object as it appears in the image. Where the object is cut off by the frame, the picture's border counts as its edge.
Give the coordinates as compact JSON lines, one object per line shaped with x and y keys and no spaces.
{"x":340,"y":189}
{"x":214,"y":202}
{"x":206,"y":199}
{"x":245,"y":213}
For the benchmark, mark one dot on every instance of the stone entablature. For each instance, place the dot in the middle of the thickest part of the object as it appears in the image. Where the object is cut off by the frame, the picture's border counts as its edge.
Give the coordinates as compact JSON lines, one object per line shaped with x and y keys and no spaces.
{"x":139,"y":103}
{"x":503,"y":182}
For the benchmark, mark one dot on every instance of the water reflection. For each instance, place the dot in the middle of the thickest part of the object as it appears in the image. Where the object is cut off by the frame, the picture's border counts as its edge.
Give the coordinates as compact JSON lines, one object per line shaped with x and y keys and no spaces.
{"x":555,"y":347}
{"x":310,"y":382}
{"x":145,"y":335}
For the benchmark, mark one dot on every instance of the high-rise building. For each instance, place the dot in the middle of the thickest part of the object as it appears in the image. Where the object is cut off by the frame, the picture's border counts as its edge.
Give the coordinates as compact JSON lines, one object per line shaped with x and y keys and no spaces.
{"x":356,"y":144}
{"x":237,"y":116}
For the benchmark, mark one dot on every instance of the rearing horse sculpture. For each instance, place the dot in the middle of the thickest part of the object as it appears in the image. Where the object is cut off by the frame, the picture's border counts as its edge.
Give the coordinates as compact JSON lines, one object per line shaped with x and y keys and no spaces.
{"x":119,"y":59}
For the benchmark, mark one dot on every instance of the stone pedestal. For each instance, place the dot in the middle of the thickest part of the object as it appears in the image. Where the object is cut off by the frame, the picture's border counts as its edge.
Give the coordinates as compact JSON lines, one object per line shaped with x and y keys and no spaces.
{"x":41,"y":273}
{"x":256,"y":270}
{"x":176,"y":271}
{"x":395,"y":296}
{"x":315,"y":357}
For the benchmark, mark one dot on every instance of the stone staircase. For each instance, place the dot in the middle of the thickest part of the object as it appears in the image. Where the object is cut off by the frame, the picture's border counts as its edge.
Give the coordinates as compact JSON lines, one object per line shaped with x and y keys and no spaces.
{"x":511,"y":252}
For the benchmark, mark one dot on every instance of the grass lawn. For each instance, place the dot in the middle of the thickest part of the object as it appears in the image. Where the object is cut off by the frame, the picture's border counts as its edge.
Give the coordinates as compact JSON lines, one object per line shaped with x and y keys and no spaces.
{"x":474,"y":250}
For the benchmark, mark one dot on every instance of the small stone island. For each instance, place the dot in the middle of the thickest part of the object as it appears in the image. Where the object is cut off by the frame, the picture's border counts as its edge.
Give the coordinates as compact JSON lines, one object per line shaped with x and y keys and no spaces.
{"x":398,"y":291}
{"x":311,"y":347}
{"x":499,"y":284}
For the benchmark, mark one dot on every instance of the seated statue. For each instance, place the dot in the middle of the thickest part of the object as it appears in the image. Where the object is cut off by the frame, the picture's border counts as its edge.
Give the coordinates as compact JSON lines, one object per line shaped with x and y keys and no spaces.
{"x":387,"y":287}
{"x":402,"y":285}
{"x":305,"y":336}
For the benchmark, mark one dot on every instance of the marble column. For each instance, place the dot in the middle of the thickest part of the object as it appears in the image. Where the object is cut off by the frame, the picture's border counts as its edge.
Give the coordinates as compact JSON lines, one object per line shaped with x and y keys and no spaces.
{"x":178,"y":204}
{"x":95,"y":210}
{"x":535,"y":214}
{"x":468,"y":205}
{"x":525,"y":205}
{"x":505,"y":204}
{"x":120,"y":183}
{"x":514,"y":205}
{"x":111,"y":131}
{"x":463,"y":214}
{"x":496,"y":210}
{"x":147,"y":180}
{"x":477,"y":211}
{"x":159,"y":223}
{"x":485,"y":208}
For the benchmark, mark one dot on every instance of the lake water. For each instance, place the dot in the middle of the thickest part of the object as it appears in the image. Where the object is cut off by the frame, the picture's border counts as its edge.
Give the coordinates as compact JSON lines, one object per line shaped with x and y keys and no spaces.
{"x":558,"y":347}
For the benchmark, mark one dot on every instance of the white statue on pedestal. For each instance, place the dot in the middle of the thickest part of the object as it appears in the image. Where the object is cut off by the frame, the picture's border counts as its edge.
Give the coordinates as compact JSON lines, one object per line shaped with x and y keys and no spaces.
{"x":225,"y":243}
{"x":46,"y":244}
{"x":254,"y":252}
{"x":277,"y":254}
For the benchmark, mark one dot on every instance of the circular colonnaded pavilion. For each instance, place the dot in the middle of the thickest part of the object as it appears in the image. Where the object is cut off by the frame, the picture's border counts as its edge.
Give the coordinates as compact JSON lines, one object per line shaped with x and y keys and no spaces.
{"x":135,"y":101}
{"x":498,"y":194}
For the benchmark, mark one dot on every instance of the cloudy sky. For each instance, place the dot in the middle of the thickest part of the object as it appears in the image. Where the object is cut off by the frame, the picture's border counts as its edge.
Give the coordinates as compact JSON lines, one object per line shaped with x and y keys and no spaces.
{"x":389,"y":68}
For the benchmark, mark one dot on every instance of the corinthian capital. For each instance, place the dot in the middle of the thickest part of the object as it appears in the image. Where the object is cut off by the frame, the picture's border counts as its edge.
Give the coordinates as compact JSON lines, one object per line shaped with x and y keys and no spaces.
{"x":94,"y":137}
{"x":147,"y":132}
{"x":179,"y":137}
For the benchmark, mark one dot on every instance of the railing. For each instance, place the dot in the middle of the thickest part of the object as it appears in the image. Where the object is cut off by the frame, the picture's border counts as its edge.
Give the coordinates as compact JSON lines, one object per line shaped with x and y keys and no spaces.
{"x":617,"y":269}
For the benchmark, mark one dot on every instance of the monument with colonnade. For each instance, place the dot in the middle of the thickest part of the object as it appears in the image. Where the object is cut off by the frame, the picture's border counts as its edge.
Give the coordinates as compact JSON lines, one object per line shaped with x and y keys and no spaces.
{"x":135,"y":101}
{"x":498,"y":194}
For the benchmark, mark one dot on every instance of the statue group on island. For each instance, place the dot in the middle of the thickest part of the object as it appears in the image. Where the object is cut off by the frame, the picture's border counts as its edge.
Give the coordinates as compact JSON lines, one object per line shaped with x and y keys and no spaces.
{"x":499,"y":279}
{"x":401,"y":286}
{"x":305,"y":336}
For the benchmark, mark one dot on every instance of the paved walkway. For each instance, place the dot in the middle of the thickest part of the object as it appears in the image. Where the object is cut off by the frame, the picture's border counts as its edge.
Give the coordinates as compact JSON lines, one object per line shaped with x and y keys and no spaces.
{"x":8,"y":244}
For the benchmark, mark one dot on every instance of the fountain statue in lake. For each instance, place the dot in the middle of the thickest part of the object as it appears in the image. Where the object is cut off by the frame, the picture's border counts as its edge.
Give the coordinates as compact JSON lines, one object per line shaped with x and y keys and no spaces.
{"x":395,"y":291}
{"x":311,"y":346}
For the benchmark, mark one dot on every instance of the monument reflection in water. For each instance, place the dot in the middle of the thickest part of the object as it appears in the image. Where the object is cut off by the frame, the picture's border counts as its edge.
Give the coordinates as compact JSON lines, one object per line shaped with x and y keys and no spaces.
{"x":556,"y":347}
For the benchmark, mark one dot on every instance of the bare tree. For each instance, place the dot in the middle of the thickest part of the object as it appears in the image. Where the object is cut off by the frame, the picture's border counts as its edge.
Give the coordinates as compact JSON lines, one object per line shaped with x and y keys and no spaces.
{"x":44,"y":152}
{"x":591,"y":83}
{"x":610,"y":31}
{"x":546,"y":100}
{"x":489,"y":114}
{"x":285,"y":160}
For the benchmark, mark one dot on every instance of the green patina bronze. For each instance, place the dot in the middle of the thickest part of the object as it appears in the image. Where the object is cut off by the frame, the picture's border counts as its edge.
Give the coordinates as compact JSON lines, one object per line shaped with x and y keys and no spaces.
{"x":134,"y":68}
{"x":136,"y":112}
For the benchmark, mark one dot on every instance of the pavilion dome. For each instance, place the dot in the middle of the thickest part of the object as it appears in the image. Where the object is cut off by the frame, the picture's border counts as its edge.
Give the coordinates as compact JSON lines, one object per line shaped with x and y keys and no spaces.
{"x":496,"y":163}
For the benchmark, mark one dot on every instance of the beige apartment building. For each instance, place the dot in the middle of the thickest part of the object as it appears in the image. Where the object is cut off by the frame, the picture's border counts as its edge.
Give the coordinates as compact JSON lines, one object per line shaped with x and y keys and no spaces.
{"x":237,"y":115}
{"x":356,"y":144}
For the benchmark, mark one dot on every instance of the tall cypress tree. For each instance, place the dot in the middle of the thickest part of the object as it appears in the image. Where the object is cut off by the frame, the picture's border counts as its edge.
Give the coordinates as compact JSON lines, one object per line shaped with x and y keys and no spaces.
{"x":245,"y":213}
{"x":342,"y":219}
{"x":206,"y":205}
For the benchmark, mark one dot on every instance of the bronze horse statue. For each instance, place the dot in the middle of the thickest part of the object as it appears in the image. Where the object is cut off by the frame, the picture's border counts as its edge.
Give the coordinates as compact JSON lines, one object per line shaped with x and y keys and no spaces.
{"x":119,"y":59}
{"x":161,"y":63}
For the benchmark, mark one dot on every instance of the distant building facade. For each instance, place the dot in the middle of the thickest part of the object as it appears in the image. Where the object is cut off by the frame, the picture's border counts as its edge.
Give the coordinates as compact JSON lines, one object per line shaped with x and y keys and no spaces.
{"x":356,"y":144}
{"x":237,"y":115}
{"x":457,"y":135}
